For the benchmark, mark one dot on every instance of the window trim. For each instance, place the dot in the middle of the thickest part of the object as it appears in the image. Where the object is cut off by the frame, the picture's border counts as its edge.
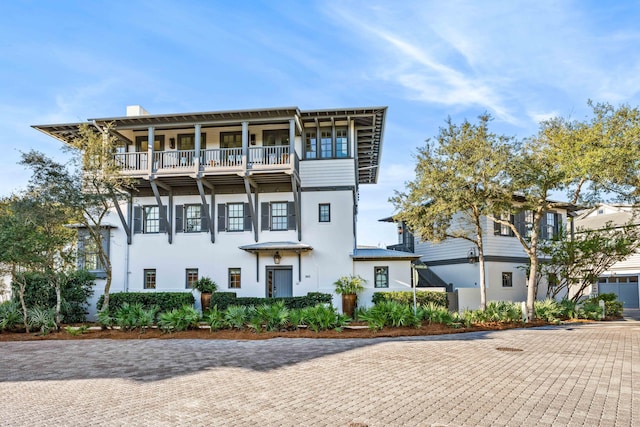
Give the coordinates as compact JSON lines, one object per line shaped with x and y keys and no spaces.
{"x":235,"y":134}
{"x":241,"y":217}
{"x":147,"y":274}
{"x":320,"y":216}
{"x":187,"y":272}
{"x":144,"y":219}
{"x":330,"y":153}
{"x":385,"y":272}
{"x":180,"y":136}
{"x":198,"y":219}
{"x":277,"y":133}
{"x":285,"y":216}
{"x":231,"y":272}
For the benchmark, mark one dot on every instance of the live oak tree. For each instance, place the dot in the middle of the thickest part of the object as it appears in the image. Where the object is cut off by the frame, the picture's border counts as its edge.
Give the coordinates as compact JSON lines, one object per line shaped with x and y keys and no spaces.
{"x":592,"y":160}
{"x":576,"y":261}
{"x":459,"y":178}
{"x":90,"y":184}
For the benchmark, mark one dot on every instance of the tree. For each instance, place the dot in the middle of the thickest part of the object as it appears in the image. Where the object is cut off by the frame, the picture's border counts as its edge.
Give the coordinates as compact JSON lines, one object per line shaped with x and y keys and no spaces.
{"x":591,"y":160}
{"x":576,"y":262}
{"x":458,"y":178}
{"x":90,"y":184}
{"x":33,"y":237}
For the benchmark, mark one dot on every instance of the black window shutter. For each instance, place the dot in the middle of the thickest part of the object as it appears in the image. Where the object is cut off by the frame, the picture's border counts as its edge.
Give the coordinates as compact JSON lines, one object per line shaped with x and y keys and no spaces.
{"x":204,"y":224}
{"x":520,"y":224}
{"x":512,"y":220}
{"x":162,"y":227}
{"x":222,"y":217}
{"x":179,"y":218}
{"x":248,"y":223}
{"x":264,"y":209}
{"x":543,"y":226}
{"x":105,"y":234}
{"x":496,"y":226}
{"x":137,"y":219}
{"x":291,"y":216}
{"x":82,"y":234}
{"x":558,"y":226}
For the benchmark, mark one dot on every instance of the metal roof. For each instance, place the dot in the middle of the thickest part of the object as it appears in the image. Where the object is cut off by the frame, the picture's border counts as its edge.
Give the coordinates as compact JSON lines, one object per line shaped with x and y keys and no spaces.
{"x":369,"y":127}
{"x":276,"y":246}
{"x":366,"y":254}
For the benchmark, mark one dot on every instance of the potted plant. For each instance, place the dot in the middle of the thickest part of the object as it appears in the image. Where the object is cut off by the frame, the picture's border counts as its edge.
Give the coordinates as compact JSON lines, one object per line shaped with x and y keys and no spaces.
{"x":349,"y":287}
{"x":206,"y":286}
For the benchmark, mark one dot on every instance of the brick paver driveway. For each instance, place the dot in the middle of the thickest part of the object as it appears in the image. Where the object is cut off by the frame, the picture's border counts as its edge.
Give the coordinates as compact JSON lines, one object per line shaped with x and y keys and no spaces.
{"x":567,"y":375}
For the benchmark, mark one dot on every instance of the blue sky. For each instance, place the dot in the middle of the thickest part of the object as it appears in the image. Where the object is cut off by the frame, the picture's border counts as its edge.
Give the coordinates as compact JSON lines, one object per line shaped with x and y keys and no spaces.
{"x":66,"y":61}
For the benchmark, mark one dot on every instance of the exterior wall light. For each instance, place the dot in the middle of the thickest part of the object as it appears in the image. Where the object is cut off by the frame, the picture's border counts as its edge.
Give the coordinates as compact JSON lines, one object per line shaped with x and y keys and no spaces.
{"x":277,"y":257}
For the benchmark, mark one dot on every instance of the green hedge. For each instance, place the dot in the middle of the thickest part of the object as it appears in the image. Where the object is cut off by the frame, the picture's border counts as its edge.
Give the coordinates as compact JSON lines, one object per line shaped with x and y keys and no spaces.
{"x":612,"y":307}
{"x":406,"y":297}
{"x":225,"y":299}
{"x":75,"y":291}
{"x":165,"y":301}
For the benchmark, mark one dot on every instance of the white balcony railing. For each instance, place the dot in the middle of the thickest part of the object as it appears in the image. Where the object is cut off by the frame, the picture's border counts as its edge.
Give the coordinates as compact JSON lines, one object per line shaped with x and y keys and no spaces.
{"x":275,"y":155}
{"x":221,"y":157}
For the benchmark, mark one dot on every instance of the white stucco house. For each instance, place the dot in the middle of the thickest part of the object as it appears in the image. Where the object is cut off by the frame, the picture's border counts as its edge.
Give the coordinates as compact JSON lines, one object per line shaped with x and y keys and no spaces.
{"x":622,"y":278}
{"x":454,"y":262}
{"x":263,"y":201}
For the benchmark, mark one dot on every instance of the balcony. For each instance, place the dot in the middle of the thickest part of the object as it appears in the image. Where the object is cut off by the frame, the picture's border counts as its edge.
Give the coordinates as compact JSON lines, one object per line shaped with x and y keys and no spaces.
{"x":216,"y":161}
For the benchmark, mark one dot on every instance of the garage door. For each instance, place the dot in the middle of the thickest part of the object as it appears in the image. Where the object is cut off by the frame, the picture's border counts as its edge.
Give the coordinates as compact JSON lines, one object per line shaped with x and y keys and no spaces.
{"x":626,"y":287}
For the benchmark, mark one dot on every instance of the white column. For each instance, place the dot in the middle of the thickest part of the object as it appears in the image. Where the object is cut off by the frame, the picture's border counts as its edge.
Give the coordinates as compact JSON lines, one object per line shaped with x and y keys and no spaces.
{"x":198,"y":142}
{"x":151,"y":138}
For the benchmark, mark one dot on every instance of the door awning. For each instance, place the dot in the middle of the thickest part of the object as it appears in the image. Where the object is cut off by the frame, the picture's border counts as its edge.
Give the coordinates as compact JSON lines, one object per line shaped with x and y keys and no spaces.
{"x":276,"y":246}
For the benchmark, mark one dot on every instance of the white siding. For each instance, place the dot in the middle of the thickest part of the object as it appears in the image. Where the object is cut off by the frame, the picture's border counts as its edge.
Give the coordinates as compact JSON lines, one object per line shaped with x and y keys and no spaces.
{"x":399,"y":278}
{"x":327,"y":173}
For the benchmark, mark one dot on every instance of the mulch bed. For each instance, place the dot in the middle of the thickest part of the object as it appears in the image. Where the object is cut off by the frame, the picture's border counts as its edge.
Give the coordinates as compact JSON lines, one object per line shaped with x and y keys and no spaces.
{"x":435,"y":329}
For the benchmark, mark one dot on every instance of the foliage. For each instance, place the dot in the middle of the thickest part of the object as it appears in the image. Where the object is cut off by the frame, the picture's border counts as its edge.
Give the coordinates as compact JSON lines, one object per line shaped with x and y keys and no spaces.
{"x":42,"y":318}
{"x":406,"y":297}
{"x":205,"y":285}
{"x":214,"y":318}
{"x":105,"y":319}
{"x":274,"y":316}
{"x":351,"y":284}
{"x":589,"y":309}
{"x":164,"y":301}
{"x":499,"y":311}
{"x":433,"y":313}
{"x":568,"y":309}
{"x":548,"y":310}
{"x":76,"y":289}
{"x":577,"y":261}
{"x":322,"y":318}
{"x":75,"y":331}
{"x":237,"y":316}
{"x":388,"y":313}
{"x":612,"y":307}
{"x":134,"y":316}
{"x":458,"y":178}
{"x":226,"y":299}
{"x":179,"y":319}
{"x":10,"y":315}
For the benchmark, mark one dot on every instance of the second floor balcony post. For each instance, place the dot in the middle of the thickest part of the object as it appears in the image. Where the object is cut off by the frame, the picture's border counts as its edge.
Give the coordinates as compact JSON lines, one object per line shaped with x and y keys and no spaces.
{"x":151,"y":138}
{"x":245,"y":142}
{"x":197,"y":144}
{"x":292,"y":140}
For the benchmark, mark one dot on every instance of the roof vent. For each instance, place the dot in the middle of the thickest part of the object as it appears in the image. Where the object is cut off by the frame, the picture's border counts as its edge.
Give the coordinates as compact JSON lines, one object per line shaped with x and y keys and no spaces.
{"x":136,"y":110}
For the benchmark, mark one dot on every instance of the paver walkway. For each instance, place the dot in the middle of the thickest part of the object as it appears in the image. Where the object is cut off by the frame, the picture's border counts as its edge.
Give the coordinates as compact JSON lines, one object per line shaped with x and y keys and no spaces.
{"x":567,"y":375}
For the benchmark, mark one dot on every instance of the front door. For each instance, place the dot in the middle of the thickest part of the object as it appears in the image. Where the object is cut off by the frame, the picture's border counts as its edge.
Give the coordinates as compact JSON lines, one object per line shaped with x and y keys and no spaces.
{"x":279,"y":282}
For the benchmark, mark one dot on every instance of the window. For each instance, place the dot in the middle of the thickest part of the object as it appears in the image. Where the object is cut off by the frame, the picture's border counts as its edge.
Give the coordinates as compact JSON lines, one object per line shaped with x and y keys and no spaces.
{"x":235,"y":217}
{"x":149,"y":278}
{"x":381,"y":275}
{"x":326,"y":140}
{"x":187,"y":141}
{"x":550,"y":224}
{"x":272,"y":138}
{"x":191,"y":276}
{"x":151,"y":219}
{"x":342,"y":148}
{"x":503,"y":229}
{"x":324,"y":212}
{"x":192,"y":219}
{"x":142,"y":143}
{"x":89,"y":256}
{"x":310,"y":147}
{"x":230,"y":139}
{"x":507,"y":280}
{"x":279,"y":216}
{"x":234,"y":278}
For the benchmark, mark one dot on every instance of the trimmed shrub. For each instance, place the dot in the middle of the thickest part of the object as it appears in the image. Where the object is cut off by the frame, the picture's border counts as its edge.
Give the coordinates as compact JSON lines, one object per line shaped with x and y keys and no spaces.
{"x":162,"y":301}
{"x":226,"y":299}
{"x":423,"y":298}
{"x":612,"y":307}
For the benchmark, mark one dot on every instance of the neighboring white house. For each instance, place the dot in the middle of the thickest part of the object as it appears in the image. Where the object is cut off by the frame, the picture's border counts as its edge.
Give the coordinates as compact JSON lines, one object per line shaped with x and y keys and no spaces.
{"x":262,"y":201}
{"x":455,"y":261}
{"x":623,"y":277}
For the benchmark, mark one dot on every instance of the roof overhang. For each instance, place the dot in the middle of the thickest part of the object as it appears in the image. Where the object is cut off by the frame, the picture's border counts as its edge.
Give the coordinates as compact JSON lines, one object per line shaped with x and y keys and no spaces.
{"x":379,"y":254}
{"x":269,"y":247}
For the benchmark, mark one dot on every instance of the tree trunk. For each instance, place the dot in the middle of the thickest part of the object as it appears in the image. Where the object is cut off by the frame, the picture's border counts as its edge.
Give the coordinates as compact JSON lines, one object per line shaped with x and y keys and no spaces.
{"x":58,"y":302}
{"x":22,"y":287}
{"x":531,"y":289}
